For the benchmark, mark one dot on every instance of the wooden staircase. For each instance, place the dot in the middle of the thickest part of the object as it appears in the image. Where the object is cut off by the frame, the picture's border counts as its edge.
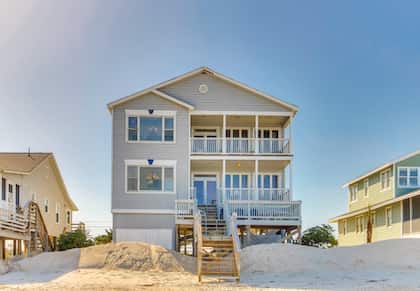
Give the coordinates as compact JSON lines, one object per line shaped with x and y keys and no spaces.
{"x":215,"y":249}
{"x":40,"y":240}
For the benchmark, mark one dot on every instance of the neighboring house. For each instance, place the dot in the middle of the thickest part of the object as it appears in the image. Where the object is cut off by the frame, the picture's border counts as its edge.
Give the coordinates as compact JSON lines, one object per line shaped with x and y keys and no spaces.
{"x":26,"y":177}
{"x":201,"y":139}
{"x":382,"y":204}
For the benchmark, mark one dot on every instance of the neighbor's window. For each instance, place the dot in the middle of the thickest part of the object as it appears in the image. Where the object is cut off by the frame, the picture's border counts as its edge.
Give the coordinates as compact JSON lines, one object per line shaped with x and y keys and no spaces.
{"x":57,"y":212}
{"x":386,"y":180}
{"x":408,"y":177}
{"x":150,"y":179}
{"x":10,"y":188}
{"x":46,"y":205}
{"x":344,"y":227}
{"x":373,"y":218}
{"x":388,"y":215}
{"x":353,"y":193}
{"x":366,"y":187}
{"x":151,"y":128}
{"x":3,"y":189}
{"x":68,"y":216}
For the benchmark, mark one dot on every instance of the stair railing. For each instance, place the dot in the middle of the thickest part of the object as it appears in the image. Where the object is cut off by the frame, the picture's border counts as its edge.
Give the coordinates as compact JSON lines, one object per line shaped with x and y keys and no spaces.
{"x":36,"y":222}
{"x":198,"y":235}
{"x":233,"y":229}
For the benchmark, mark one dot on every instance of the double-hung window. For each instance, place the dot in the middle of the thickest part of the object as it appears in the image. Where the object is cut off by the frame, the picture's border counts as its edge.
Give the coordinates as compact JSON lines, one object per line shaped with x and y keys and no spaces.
{"x":408,"y":177}
{"x":142,"y":177}
{"x":353,"y":193}
{"x":388,"y":216}
{"x":385,"y":180}
{"x":366,"y":187}
{"x":150,"y":126}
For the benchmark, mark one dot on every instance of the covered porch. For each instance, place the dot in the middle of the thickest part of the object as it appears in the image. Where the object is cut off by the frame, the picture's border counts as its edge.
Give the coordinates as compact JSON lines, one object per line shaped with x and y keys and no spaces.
{"x":234,"y":133}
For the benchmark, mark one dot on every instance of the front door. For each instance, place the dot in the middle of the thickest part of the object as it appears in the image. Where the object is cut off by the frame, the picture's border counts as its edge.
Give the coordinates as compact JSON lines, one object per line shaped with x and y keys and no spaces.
{"x":205,"y":189}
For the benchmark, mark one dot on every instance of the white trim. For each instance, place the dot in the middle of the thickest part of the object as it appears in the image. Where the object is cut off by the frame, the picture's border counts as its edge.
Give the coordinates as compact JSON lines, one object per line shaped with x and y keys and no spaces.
{"x":408,"y":177}
{"x":389,"y":178}
{"x":250,"y":113}
{"x":142,"y":211}
{"x":163,"y":114}
{"x":294,"y":108}
{"x":170,"y":98}
{"x":243,"y":158}
{"x":384,"y":166}
{"x":156,"y":164}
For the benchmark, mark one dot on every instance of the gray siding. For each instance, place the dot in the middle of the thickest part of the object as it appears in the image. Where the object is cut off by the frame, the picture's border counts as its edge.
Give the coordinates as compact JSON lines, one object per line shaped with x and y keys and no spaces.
{"x":221,"y":96}
{"x":146,"y":221}
{"x":142,"y":151}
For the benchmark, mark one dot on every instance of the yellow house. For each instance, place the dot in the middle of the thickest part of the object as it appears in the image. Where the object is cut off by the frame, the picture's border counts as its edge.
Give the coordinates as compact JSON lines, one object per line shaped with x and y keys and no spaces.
{"x":382,"y":204}
{"x":35,"y":207}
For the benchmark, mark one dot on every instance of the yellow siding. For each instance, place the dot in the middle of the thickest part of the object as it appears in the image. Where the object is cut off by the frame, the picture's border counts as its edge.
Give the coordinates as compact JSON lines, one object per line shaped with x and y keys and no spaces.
{"x":380,"y":231}
{"x":375,"y":194}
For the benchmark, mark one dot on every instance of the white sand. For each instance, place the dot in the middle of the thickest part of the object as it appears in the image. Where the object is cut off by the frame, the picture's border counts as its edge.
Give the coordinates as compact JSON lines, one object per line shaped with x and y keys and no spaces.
{"x":389,"y":265}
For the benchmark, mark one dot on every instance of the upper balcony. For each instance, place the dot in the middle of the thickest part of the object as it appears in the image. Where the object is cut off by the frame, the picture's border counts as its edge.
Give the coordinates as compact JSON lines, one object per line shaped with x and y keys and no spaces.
{"x":241,"y":134}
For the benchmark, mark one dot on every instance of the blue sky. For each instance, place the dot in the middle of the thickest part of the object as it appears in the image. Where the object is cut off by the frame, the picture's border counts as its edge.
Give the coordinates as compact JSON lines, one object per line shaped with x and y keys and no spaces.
{"x":353,"y":69}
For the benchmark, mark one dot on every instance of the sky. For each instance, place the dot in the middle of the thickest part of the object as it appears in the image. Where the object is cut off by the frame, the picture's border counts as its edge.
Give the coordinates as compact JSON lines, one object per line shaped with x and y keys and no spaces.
{"x":353,"y":68}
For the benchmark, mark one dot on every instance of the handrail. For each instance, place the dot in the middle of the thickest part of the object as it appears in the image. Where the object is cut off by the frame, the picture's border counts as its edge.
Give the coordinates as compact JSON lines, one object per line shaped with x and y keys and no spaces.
{"x":239,"y":145}
{"x":236,"y":243}
{"x":198,"y":234}
{"x":263,"y":194}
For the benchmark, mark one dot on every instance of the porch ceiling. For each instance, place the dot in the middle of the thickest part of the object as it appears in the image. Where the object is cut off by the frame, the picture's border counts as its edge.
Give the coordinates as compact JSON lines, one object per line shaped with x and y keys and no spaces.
{"x":238,"y":121}
{"x":238,"y":166}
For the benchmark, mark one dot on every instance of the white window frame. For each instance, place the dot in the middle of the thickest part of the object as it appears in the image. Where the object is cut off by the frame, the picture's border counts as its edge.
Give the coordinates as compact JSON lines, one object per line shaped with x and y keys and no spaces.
{"x":145,"y":113}
{"x":351,"y":188}
{"x":156,"y":164}
{"x":386,"y":216}
{"x":408,"y":186}
{"x":388,"y":173}
{"x":360,"y":221}
{"x":366,"y":187}
{"x":280,"y":181}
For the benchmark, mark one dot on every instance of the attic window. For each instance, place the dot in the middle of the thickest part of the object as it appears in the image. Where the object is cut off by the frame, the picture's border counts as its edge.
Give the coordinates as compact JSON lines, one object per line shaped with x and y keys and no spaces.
{"x":203,"y":88}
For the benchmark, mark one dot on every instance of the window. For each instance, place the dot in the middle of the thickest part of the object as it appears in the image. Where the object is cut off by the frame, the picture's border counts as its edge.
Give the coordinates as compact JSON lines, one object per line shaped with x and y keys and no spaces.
{"x":373,"y":218}
{"x":353,"y":193}
{"x":132,"y":128}
{"x":154,"y":178}
{"x":17,"y":195}
{"x":153,"y":126}
{"x":46,"y":206}
{"x":359,"y":224}
{"x":34,"y":197}
{"x":268,"y":181}
{"x":68,"y":217}
{"x":385,"y":180}
{"x":57,"y":212}
{"x":366,"y":187}
{"x":408,"y":177}
{"x":10,"y":188}
{"x":388,"y":216}
{"x":344,"y":227}
{"x":3,"y":189}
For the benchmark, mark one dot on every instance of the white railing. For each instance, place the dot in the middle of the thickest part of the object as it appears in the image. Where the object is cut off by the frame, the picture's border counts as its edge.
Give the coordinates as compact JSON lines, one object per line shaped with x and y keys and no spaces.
{"x":240,"y":145}
{"x":206,"y":145}
{"x":184,"y":209}
{"x":216,"y":145}
{"x":264,"y":210}
{"x":273,"y":145}
{"x":272,"y":194}
{"x":13,"y":221}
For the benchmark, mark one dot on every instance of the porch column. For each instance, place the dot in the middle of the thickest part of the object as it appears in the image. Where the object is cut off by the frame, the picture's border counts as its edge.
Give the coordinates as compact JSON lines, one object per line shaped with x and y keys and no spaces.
{"x":224,"y":180}
{"x":256,"y":133}
{"x":224,"y":134}
{"x":291,"y":179}
{"x":256,"y":180}
{"x":290,"y":135}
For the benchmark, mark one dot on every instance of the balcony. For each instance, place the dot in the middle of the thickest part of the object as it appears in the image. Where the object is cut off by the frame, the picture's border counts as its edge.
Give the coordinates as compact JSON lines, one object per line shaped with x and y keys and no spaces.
{"x":271,"y":194}
{"x":220,"y":145}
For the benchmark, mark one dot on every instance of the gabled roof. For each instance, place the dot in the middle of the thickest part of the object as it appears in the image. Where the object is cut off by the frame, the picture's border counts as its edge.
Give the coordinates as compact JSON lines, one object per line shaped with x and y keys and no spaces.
{"x":21,"y":162}
{"x":25,"y":164}
{"x":382,"y":167}
{"x":155,"y":89}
